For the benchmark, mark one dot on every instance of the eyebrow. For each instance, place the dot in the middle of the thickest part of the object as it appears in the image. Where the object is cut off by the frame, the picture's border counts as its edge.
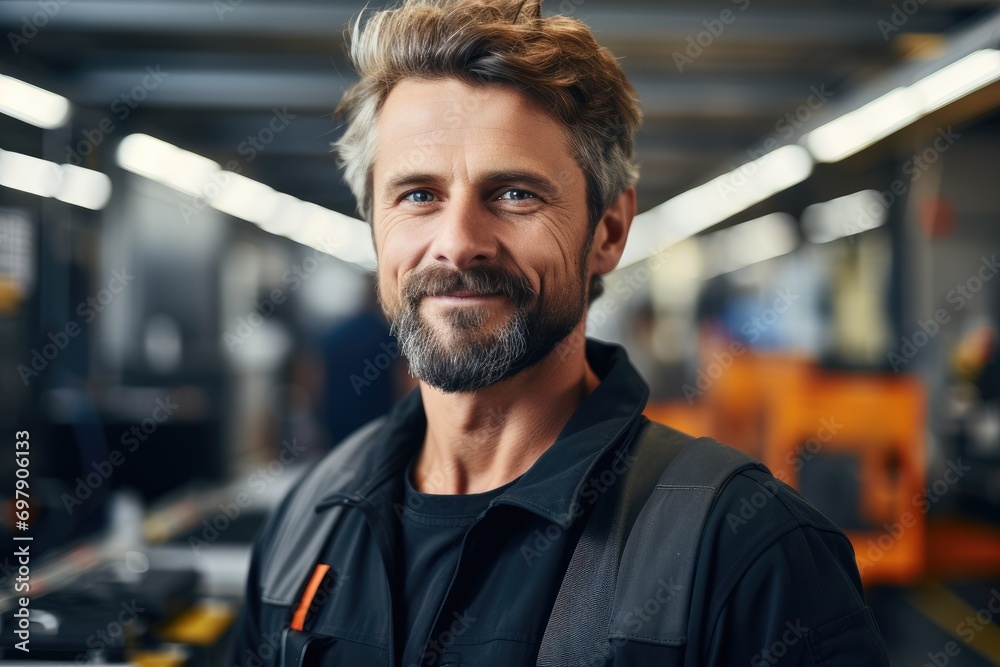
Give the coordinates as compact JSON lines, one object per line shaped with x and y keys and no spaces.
{"x":408,"y":180}
{"x":535,"y":181}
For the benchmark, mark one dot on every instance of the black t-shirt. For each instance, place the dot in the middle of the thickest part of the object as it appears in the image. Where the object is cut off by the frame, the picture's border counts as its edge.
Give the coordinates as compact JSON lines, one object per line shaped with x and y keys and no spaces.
{"x":433,"y":527}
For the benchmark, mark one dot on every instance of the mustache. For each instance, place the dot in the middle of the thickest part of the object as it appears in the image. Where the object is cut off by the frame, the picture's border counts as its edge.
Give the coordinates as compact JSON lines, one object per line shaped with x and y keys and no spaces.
{"x":485,"y":279}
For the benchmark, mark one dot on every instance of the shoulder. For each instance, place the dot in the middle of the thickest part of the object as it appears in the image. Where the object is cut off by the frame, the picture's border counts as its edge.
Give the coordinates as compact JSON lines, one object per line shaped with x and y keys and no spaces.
{"x":330,"y":474}
{"x":773,"y":571}
{"x":717,"y":515}
{"x":291,"y":533}
{"x":754,"y":508}
{"x":742,"y":504}
{"x":775,"y":574}
{"x":758,"y":522}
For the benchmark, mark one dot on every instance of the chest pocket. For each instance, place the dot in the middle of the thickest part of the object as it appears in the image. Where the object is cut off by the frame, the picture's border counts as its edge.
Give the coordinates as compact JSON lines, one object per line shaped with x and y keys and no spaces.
{"x":310,"y":649}
{"x":327,"y":629}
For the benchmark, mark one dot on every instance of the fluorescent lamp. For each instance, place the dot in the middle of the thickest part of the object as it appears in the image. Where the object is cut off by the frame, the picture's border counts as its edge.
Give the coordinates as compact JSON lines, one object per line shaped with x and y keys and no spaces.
{"x":747,"y":243}
{"x":274,"y":212}
{"x":303,"y":222}
{"x":777,"y":171}
{"x":32,"y":104}
{"x":705,"y":205}
{"x":958,"y":79}
{"x":289,"y":215}
{"x":69,"y":183}
{"x":844,"y":216}
{"x":29,"y":174}
{"x":165,"y":163}
{"x":721,"y":198}
{"x":245,"y":198}
{"x":336,"y":234}
{"x":358,"y":243}
{"x":858,"y":129}
{"x":320,"y":228}
{"x":84,"y":187}
{"x":733,"y":192}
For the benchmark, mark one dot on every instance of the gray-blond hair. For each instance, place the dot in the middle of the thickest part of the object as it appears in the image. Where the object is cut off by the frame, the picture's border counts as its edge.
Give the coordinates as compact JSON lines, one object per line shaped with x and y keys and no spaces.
{"x":555,"y":59}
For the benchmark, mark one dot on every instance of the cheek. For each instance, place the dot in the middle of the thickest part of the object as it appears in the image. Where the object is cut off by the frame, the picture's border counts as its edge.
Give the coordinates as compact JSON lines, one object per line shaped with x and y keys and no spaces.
{"x":386,"y":291}
{"x":401,"y":240}
{"x":389,"y":296}
{"x":395,"y":255}
{"x":553,"y":277}
{"x":553,"y":258}
{"x":397,"y":260}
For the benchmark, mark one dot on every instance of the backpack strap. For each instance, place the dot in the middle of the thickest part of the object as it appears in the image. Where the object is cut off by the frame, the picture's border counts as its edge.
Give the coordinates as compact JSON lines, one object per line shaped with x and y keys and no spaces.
{"x":583,"y":602}
{"x":664,"y":499}
{"x":666,"y":540}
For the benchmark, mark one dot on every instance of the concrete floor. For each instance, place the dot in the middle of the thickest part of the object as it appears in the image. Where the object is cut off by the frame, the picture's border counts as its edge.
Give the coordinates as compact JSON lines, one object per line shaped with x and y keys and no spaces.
{"x":934,"y":624}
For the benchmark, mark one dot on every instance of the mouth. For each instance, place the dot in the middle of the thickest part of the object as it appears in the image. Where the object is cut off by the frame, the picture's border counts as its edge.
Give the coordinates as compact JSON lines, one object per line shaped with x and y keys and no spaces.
{"x":464,"y":296}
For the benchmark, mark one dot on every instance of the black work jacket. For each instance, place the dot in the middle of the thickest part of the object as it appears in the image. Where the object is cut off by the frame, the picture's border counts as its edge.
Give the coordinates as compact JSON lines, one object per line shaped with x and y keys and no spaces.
{"x":775,"y":581}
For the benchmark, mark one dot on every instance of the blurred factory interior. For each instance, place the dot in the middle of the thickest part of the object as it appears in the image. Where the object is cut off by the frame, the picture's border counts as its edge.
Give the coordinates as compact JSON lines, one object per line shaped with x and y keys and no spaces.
{"x":187,"y":318}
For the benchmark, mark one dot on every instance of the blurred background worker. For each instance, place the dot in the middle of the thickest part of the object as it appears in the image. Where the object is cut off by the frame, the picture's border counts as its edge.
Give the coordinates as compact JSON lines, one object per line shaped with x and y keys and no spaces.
{"x":810,"y":277}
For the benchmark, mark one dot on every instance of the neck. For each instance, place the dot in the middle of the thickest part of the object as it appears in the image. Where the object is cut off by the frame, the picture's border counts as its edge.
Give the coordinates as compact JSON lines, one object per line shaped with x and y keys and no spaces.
{"x":478,"y":441}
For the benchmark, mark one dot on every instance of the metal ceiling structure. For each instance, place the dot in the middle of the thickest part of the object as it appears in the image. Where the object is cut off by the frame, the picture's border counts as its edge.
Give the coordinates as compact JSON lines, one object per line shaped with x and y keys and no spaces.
{"x":714,"y":78}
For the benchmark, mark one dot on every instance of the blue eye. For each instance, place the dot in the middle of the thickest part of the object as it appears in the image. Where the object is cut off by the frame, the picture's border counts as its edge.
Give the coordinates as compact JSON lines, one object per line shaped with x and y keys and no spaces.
{"x":515,"y":194}
{"x":419,"y":197}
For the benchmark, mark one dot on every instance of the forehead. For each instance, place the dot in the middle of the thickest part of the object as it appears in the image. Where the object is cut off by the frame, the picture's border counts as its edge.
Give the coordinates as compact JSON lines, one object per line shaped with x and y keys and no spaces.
{"x":434,"y":123}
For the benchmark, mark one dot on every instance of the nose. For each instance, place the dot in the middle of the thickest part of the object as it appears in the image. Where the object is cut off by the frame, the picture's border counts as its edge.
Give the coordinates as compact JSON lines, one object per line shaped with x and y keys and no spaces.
{"x":464,"y":234}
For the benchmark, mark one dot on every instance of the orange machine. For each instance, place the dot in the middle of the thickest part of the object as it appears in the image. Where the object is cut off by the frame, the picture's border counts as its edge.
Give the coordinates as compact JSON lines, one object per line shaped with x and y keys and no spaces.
{"x":879,"y":421}
{"x":784,"y":411}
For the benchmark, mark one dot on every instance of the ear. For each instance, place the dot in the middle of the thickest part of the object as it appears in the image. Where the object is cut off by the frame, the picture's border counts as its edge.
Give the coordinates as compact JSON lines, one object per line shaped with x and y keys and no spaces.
{"x":611,"y":233}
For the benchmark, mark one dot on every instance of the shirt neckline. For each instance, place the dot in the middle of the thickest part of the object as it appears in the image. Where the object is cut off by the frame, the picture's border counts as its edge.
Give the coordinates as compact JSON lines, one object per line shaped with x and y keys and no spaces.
{"x":446,"y":505}
{"x":551,"y":487}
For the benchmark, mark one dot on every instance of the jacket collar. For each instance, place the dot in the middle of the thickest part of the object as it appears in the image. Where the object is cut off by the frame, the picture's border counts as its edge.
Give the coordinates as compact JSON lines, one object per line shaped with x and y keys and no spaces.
{"x":552,"y":486}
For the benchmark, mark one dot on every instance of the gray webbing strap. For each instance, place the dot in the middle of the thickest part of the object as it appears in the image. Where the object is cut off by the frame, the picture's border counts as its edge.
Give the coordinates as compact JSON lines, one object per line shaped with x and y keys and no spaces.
{"x":666,"y":498}
{"x":583,"y":602}
{"x":659,"y":560}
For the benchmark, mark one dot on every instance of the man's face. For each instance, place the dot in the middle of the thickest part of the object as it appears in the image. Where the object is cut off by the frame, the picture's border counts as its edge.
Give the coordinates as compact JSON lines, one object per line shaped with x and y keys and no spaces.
{"x":480,"y":224}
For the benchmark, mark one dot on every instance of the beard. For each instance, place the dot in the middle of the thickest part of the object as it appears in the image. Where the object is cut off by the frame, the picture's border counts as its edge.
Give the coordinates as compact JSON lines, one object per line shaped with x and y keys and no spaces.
{"x":462,"y":351}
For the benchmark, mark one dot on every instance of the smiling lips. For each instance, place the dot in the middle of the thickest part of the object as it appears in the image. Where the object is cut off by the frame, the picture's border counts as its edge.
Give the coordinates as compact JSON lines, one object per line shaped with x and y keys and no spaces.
{"x":459,"y":296}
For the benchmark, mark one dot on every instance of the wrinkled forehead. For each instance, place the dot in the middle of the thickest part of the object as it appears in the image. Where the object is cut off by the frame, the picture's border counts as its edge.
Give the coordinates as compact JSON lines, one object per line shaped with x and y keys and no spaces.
{"x":451,"y":100}
{"x":426,"y":122}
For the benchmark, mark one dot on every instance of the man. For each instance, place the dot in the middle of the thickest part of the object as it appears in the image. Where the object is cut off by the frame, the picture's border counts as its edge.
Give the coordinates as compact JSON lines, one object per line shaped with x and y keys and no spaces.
{"x":511,"y":510}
